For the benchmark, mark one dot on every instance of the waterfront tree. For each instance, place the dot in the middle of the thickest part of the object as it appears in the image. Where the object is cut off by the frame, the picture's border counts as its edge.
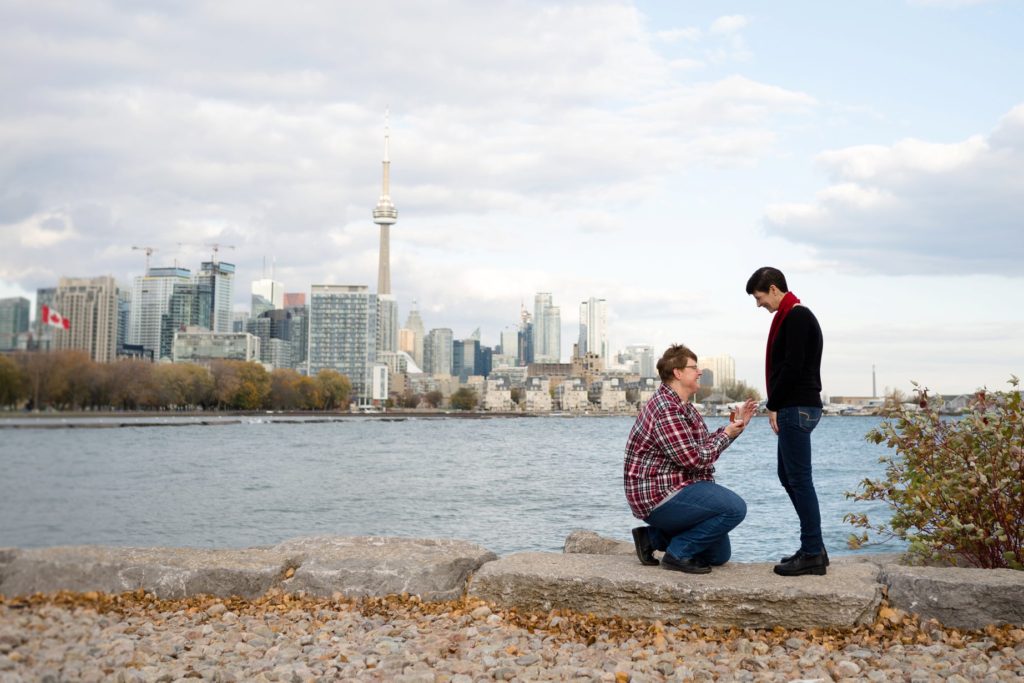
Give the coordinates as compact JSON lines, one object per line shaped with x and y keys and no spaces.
{"x":335,"y":390}
{"x":13,"y":384}
{"x":464,"y":398}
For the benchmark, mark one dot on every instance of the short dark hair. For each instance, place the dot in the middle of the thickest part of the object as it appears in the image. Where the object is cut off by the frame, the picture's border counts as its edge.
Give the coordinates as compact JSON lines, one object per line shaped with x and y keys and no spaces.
{"x":674,"y":357}
{"x":764,"y":277}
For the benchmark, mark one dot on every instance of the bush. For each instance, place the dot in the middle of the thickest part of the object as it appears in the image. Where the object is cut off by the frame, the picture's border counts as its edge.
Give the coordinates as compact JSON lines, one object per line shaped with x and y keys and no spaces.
{"x":955,"y":486}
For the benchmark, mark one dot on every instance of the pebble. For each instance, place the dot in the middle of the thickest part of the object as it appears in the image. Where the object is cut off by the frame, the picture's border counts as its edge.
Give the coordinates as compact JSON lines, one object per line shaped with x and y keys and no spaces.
{"x":289,"y":639}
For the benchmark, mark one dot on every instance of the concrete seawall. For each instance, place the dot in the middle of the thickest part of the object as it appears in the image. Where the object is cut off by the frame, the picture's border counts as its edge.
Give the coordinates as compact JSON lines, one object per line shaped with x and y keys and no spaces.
{"x":594,"y":575}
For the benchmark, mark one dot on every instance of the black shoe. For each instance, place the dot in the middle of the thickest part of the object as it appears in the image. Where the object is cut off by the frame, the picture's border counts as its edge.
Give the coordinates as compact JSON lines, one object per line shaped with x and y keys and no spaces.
{"x":688,"y":566}
{"x":802,"y":564}
{"x":790,"y":558}
{"x":644,"y":549}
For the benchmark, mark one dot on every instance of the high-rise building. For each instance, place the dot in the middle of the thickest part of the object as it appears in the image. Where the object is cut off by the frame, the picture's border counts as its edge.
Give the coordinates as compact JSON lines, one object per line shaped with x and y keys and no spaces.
{"x":510,"y":343}
{"x":221,"y":277}
{"x":299,"y":334}
{"x":525,"y":350}
{"x":594,"y":328}
{"x":151,"y":298}
{"x":547,"y":329}
{"x":437,"y":351}
{"x":90,"y":304}
{"x":190,"y":305}
{"x":385,"y":214}
{"x":722,"y":368}
{"x":414,"y":323}
{"x":387,"y":323}
{"x":14,"y":312}
{"x":343,"y":335}
{"x":124,"y":312}
{"x":267,"y":295}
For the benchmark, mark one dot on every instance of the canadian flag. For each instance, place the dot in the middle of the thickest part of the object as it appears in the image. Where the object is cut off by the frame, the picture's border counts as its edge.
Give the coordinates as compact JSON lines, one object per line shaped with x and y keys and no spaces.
{"x":52,"y":317}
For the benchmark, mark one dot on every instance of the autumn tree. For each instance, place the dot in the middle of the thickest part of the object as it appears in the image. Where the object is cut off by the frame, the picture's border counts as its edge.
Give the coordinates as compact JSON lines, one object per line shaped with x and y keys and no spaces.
{"x":13,"y":383}
{"x":182,"y":385}
{"x":335,"y":390}
{"x":433,"y":398}
{"x":284,"y":389}
{"x":308,"y":390}
{"x":464,"y":398}
{"x":240,"y":385}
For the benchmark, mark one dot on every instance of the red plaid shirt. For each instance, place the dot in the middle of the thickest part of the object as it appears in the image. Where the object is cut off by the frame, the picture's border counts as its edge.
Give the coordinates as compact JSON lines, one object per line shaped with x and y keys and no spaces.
{"x":668,"y":448}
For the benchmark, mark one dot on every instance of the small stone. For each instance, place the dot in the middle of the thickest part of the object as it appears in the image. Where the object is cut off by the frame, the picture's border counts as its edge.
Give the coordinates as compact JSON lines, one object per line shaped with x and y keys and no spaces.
{"x":848,"y":668}
{"x":481,"y":612}
{"x":527,"y":660}
{"x":216,"y":609}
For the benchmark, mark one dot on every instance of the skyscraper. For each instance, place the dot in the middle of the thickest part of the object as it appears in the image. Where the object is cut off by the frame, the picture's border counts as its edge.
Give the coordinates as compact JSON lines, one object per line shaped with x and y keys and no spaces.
{"x":13,"y":320}
{"x":547,"y":329}
{"x":385,"y":215}
{"x":343,"y":335}
{"x":151,"y":297}
{"x":594,"y":328}
{"x":414,"y":323}
{"x":437,"y":352}
{"x":90,"y":304}
{"x":387,"y":323}
{"x":221,"y":277}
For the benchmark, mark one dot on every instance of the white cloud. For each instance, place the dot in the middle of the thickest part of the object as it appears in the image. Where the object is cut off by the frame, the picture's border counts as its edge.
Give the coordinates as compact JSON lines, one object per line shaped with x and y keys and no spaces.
{"x":689,"y":34}
{"x":727,"y":25}
{"x":918,"y":206}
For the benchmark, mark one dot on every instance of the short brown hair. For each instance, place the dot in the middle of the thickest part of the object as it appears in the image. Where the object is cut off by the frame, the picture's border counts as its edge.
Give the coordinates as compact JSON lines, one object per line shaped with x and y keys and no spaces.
{"x":674,"y":357}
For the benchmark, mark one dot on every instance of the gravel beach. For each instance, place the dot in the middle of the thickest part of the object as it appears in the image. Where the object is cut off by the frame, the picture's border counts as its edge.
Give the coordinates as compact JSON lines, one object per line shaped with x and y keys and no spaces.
{"x":279,"y":637}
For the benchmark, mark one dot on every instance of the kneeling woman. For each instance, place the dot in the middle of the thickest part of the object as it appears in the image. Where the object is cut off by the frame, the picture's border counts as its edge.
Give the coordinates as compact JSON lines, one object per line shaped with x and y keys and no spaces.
{"x":669,"y":473}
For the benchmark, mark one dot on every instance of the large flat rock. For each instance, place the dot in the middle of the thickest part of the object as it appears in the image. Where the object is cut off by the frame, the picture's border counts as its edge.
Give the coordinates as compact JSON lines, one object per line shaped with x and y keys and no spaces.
{"x":958,"y":597}
{"x":165,"y":572}
{"x":434,"y":569}
{"x":324,"y":565}
{"x":747,"y":595}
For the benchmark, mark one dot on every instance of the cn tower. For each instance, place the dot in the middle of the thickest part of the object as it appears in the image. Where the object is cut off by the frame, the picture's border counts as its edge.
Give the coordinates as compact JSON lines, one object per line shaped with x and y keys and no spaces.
{"x":384,"y":215}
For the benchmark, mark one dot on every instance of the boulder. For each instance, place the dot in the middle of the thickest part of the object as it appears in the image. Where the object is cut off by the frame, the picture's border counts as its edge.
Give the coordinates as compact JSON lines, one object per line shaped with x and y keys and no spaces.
{"x":746,"y":595}
{"x":165,"y":572}
{"x":373,"y":565}
{"x":958,"y":597}
{"x":7,"y":556}
{"x":591,"y":543}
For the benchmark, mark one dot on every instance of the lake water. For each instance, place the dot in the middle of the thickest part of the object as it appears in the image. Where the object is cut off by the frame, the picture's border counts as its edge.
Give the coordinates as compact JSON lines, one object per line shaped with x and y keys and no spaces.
{"x":509,"y":484}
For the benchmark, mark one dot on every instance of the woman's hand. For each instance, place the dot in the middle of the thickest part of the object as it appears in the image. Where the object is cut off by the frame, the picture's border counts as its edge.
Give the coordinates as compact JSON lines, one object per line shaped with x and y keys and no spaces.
{"x":742,"y":418}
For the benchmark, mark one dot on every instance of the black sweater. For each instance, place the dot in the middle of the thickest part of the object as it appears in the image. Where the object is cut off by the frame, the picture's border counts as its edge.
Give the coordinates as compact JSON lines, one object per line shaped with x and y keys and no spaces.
{"x":795,"y":378}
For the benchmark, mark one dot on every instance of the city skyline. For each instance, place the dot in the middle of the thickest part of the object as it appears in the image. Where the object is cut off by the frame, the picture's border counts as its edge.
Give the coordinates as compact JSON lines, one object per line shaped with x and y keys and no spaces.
{"x":653,"y":159}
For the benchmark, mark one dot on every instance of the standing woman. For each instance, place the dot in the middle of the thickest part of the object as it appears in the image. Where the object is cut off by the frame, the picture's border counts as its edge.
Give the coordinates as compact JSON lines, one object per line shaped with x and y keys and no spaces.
{"x":668,"y":473}
{"x":793,"y":375}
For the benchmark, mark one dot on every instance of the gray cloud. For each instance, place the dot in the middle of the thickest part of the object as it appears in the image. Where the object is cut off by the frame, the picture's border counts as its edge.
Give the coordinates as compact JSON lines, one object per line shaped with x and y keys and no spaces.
{"x":241,"y":123}
{"x":918,"y":207}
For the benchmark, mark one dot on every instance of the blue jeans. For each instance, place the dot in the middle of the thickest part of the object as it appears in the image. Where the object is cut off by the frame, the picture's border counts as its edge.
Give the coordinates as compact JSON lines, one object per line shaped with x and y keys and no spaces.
{"x":695,"y":522}
{"x":794,"y":457}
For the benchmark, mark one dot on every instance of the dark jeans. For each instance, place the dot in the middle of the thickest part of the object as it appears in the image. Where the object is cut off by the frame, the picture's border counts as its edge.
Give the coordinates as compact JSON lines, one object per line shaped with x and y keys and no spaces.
{"x":696,"y":521}
{"x":794,"y":456}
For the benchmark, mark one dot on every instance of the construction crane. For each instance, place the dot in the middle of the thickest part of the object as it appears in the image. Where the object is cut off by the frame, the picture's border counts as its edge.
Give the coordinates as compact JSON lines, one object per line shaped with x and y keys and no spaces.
{"x":217,"y":246}
{"x":149,"y":251}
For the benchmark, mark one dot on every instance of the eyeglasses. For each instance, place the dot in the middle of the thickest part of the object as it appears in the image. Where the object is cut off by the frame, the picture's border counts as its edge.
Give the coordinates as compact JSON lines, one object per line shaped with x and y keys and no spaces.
{"x":687,"y":367}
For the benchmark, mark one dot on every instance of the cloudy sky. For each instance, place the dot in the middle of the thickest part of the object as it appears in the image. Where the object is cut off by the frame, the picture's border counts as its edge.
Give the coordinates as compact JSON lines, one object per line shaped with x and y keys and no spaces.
{"x":650,"y":153}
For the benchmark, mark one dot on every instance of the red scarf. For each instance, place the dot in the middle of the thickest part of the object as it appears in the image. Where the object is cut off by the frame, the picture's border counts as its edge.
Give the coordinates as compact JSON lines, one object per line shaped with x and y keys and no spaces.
{"x":787,"y":303}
